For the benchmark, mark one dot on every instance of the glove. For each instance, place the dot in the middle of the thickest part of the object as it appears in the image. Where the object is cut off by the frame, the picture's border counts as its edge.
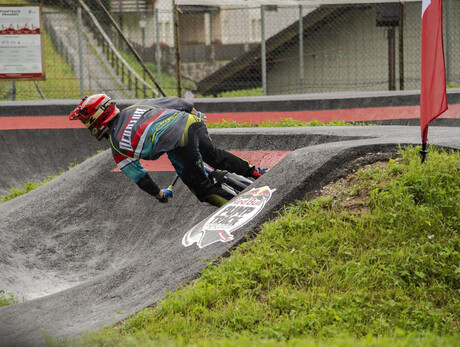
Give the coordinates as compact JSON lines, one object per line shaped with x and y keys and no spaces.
{"x":201,"y":116}
{"x":168,"y":193}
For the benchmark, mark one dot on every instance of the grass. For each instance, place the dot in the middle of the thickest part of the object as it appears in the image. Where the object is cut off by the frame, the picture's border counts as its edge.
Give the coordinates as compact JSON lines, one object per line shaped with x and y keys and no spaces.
{"x":241,"y":93}
{"x":413,"y":340}
{"x":373,"y":261}
{"x":17,"y":2}
{"x":25,"y":188}
{"x":6,"y":299}
{"x":283,"y":122}
{"x":28,"y":186}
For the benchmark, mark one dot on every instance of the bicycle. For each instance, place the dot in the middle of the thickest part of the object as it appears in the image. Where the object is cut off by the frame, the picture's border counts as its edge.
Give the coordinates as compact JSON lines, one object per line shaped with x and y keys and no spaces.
{"x":230,"y":181}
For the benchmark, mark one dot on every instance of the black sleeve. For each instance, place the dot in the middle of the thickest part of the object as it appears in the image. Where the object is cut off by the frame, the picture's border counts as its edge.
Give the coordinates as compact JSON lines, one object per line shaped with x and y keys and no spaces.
{"x":174,"y":103}
{"x":148,"y":185}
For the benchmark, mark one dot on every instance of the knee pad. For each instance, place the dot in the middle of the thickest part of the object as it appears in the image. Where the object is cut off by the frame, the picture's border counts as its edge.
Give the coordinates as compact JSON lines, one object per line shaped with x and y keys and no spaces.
{"x":216,"y":200}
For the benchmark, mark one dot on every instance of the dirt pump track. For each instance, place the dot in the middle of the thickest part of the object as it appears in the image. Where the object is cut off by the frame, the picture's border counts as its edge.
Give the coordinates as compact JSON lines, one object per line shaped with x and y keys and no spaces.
{"x":89,"y":248}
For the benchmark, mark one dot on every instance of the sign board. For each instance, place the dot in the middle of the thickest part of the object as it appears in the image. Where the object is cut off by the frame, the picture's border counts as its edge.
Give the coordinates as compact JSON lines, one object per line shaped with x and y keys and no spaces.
{"x":21,"y":43}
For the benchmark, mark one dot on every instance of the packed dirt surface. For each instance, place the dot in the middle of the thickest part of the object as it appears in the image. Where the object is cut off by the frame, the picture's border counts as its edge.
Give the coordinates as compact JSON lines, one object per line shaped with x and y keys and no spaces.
{"x":89,"y":248}
{"x":343,"y":190}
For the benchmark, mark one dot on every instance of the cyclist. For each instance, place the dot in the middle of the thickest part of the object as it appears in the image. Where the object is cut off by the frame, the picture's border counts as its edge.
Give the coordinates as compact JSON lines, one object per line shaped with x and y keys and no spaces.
{"x":150,"y":128}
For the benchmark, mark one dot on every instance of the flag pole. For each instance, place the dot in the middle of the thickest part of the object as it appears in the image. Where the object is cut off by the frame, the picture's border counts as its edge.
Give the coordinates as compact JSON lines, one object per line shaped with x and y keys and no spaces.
{"x":423,"y":152}
{"x":433,"y":98}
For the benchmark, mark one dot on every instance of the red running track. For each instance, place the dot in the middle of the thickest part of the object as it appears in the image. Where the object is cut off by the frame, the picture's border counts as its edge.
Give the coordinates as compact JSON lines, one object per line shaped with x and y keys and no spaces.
{"x":325,"y":116}
{"x":258,"y":158}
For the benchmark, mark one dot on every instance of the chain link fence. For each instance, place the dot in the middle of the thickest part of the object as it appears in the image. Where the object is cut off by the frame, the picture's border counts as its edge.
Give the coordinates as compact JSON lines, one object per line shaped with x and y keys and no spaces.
{"x":231,"y":50}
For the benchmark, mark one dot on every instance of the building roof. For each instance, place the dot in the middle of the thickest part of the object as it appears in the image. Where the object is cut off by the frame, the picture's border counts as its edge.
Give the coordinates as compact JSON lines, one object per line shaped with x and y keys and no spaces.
{"x":192,"y":9}
{"x":245,"y":71}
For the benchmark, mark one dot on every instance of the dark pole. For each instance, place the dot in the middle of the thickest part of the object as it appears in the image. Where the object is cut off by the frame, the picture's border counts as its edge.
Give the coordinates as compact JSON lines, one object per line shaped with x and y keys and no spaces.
{"x":13,"y":90}
{"x":176,"y":39}
{"x":143,"y":23}
{"x":401,"y":46}
{"x":423,"y":152}
{"x":391,"y":59}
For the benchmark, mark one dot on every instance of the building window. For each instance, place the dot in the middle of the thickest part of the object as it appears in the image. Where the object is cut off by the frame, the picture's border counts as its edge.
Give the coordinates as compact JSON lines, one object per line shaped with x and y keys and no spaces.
{"x":167,"y":32}
{"x":256,"y":34}
{"x":225,"y":30}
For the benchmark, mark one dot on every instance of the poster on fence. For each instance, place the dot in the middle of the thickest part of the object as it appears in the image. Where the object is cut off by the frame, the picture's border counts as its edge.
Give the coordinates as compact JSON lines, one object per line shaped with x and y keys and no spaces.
{"x":21,"y":43}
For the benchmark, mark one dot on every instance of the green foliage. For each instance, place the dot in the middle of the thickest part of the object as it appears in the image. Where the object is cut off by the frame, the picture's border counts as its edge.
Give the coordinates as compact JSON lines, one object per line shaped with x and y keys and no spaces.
{"x":322,"y":270}
{"x":6,"y":300}
{"x":241,"y":93}
{"x":16,"y":2}
{"x":28,"y":186}
{"x":18,"y":191}
{"x":142,"y":339}
{"x":25,"y":188}
{"x":283,"y":122}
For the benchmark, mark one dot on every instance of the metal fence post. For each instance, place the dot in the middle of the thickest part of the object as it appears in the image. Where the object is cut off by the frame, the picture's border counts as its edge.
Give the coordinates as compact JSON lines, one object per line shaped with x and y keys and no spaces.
{"x":157,"y":47}
{"x":80,"y":53}
{"x":301,"y":62}
{"x":448,"y":11}
{"x":401,"y":46}
{"x":142,"y":24}
{"x":39,"y":90}
{"x":207,"y":29}
{"x":12,"y":91}
{"x":263,"y":49}
{"x":391,"y":58}
{"x":177,"y":44}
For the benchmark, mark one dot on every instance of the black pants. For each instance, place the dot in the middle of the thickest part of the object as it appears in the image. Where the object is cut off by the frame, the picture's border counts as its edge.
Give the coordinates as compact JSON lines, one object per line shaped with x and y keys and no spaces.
{"x":188,"y":163}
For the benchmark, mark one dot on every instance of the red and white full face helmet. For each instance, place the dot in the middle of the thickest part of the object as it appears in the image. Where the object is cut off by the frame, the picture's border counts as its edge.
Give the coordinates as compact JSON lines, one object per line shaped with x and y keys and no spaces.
{"x":95,"y":111}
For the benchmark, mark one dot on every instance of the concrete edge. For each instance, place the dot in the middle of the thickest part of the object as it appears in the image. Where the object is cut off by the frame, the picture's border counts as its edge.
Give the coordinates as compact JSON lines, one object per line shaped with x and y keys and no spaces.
{"x":300,"y":102}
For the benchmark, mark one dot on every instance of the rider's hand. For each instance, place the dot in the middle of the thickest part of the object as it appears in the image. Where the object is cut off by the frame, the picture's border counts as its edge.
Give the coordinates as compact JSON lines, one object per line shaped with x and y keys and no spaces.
{"x":201,"y":116}
{"x":164,"y":195}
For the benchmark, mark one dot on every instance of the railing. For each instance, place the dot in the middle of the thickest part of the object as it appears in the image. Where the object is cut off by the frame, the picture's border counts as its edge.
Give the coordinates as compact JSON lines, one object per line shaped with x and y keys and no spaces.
{"x":122,"y":68}
{"x":126,"y":6}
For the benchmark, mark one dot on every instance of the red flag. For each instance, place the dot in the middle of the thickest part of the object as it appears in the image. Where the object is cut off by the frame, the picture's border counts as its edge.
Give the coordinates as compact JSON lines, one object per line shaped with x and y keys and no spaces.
{"x":433,"y":100}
